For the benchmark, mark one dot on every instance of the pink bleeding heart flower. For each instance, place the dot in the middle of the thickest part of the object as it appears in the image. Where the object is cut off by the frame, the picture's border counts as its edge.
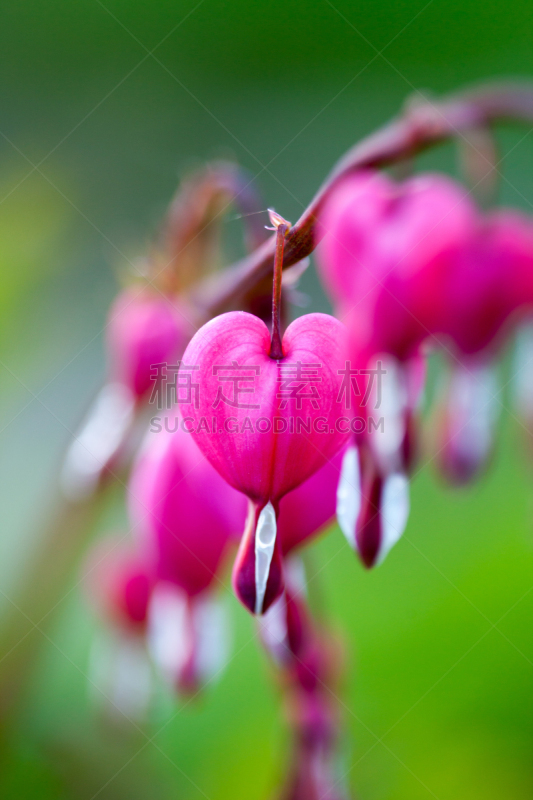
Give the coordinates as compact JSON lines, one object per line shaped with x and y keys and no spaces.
{"x":484,"y":293}
{"x":489,"y":282}
{"x":422,"y":262}
{"x":186,"y":519}
{"x":147,"y":332}
{"x":185,"y":515}
{"x":119,"y":582}
{"x":145,"y":329}
{"x":267,"y":415}
{"x":266,"y":439}
{"x":373,"y":492}
{"x":388,"y":248}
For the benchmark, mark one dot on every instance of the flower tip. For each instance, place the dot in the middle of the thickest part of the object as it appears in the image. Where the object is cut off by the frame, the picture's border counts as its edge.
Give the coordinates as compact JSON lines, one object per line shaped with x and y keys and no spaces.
{"x":258,"y":571}
{"x":368,"y":553}
{"x":372,"y":513}
{"x":276,"y":220}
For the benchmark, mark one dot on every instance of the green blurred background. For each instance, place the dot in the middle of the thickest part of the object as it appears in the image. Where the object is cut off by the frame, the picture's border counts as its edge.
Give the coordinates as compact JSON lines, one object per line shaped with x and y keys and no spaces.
{"x":103,"y":105}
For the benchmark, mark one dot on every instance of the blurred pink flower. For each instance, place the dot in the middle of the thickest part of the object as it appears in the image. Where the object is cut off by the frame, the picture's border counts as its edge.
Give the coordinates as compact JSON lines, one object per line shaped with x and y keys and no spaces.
{"x":490,"y":281}
{"x":119,"y":582}
{"x":145,"y":328}
{"x":386,"y":250}
{"x":184,"y":515}
{"x":185,"y":518}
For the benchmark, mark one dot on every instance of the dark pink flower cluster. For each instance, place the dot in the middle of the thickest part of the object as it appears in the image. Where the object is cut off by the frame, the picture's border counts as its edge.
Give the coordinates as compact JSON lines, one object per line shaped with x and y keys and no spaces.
{"x":415,"y":268}
{"x":329,"y":409}
{"x":323,"y":416}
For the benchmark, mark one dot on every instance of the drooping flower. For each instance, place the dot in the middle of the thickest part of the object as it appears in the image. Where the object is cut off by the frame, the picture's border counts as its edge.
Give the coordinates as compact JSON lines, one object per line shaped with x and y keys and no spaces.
{"x":278,"y":426}
{"x":119,"y":583}
{"x":372,"y":506}
{"x":373,"y":491}
{"x":393,"y":246}
{"x":267,"y":416}
{"x":146,"y":334}
{"x":386,"y":250}
{"x":408,"y":265}
{"x":185,"y":518}
{"x":488,"y":290}
{"x":145,"y":329}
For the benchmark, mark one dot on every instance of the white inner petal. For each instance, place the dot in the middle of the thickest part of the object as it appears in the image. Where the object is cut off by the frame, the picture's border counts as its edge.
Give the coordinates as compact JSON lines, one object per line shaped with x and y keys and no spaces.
{"x":212,"y":631}
{"x":120,"y":675}
{"x":474,"y":410}
{"x":349,"y":494}
{"x":388,"y":402}
{"x":265,"y":540}
{"x":394,"y":511}
{"x":169,"y":636}
{"x":98,"y":440}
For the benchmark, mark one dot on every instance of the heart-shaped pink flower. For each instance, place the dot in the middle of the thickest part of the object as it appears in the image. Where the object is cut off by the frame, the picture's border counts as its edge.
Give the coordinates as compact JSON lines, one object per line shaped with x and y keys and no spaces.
{"x":266,"y":424}
{"x":386,"y":254}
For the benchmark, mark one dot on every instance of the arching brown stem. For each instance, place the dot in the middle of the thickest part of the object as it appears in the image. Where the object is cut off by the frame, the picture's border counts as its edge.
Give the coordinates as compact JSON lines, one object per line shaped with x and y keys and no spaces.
{"x":420,"y":126}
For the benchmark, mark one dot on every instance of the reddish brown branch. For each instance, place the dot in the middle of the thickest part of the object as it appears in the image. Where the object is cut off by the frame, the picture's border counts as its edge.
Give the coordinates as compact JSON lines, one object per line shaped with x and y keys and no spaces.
{"x":421,"y":125}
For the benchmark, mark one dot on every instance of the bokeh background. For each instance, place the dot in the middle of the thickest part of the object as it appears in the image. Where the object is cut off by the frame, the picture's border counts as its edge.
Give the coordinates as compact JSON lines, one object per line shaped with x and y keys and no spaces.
{"x":103,"y":105}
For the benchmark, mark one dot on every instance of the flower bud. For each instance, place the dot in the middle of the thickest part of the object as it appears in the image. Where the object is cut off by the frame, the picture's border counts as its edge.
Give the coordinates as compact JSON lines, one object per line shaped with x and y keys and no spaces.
{"x":145,"y":329}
